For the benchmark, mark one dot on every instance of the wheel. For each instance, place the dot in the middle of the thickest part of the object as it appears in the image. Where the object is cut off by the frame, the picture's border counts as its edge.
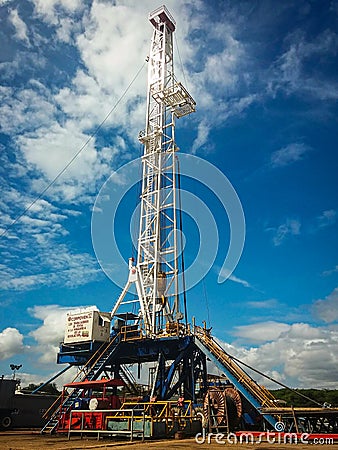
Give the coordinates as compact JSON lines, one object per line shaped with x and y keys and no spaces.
{"x":5,"y":422}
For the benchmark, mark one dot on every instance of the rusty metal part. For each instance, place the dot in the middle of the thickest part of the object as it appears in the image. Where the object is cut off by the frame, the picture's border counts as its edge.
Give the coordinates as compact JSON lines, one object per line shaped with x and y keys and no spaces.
{"x":214,"y":405}
{"x":223,"y":405}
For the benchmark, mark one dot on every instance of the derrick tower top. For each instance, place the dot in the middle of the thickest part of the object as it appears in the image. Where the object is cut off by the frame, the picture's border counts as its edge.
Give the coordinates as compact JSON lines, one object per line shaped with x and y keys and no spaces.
{"x":156,"y":273}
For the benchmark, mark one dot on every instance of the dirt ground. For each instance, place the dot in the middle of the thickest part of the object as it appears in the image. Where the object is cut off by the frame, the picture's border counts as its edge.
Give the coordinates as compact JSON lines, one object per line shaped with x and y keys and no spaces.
{"x":34,"y":441}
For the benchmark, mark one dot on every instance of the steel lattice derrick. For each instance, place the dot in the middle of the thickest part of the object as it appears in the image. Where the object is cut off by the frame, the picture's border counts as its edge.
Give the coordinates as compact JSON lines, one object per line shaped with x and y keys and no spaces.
{"x":156,"y":273}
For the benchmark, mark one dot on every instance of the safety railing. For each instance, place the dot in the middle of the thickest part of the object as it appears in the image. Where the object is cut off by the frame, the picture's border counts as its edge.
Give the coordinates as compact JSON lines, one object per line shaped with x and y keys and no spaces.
{"x":96,"y":422}
{"x":261,"y":394}
{"x":57,"y":405}
{"x":157,"y":410}
{"x":131,"y":333}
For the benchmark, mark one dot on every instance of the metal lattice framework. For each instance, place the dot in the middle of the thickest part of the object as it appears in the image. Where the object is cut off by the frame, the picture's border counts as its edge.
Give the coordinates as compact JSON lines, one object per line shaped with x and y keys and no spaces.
{"x":156,"y":272}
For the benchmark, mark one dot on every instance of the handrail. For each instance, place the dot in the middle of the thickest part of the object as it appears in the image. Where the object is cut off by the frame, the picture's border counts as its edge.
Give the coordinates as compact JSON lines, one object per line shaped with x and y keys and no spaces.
{"x":98,"y":353}
{"x":261,"y":394}
{"x":145,"y":408}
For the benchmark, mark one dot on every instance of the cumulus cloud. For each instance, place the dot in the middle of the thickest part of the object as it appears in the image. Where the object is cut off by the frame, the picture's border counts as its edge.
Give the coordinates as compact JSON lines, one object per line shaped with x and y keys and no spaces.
{"x":327,"y":308}
{"x":54,"y":319}
{"x":288,"y":155}
{"x":299,"y":355}
{"x":221,"y":92}
{"x":54,"y":123}
{"x":51,"y":126}
{"x":51,"y":150}
{"x":51,"y":10}
{"x":28,"y":378}
{"x":261,"y":332}
{"x":11,"y":343}
{"x":49,"y":335}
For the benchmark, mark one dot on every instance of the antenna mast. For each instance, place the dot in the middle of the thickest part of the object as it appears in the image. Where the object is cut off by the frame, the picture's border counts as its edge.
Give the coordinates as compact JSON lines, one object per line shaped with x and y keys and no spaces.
{"x":156,"y":271}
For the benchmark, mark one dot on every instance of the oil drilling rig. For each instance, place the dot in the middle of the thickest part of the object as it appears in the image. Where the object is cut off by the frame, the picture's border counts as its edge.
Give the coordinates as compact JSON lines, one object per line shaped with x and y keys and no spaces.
{"x":180,"y":395}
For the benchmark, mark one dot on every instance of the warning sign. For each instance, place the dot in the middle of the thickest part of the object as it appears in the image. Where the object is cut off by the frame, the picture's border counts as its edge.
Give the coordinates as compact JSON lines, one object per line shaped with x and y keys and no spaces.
{"x":87,"y":326}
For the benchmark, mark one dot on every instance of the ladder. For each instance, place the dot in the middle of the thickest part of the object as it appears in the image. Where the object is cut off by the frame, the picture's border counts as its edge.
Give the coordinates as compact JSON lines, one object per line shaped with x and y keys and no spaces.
{"x":264,"y":397}
{"x":129,"y":380}
{"x":215,"y":422}
{"x":96,"y":367}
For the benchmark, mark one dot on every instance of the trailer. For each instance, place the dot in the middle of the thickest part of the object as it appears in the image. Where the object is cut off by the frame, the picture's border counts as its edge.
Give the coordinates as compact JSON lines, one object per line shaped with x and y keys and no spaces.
{"x":19,"y":410}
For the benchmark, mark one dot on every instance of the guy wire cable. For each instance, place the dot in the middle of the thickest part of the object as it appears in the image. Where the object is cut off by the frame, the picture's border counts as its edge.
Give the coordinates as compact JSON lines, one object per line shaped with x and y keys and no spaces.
{"x":74,"y":157}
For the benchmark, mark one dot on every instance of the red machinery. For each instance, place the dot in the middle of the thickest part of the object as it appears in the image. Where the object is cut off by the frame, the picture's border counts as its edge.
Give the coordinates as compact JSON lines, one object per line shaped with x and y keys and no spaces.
{"x":89,"y":410}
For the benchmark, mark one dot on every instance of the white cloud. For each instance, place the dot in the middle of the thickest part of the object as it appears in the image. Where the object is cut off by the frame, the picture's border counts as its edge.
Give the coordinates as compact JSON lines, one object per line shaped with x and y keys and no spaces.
{"x":221,"y":68}
{"x":225,"y":274}
{"x":54,"y":319}
{"x":19,"y":25}
{"x":48,"y":147}
{"x":107,"y":71}
{"x":327,"y":218}
{"x":11,"y":343}
{"x":263,"y":304}
{"x":203,"y":131}
{"x":67,"y":29}
{"x":327,"y":309}
{"x":292,"y":72}
{"x":44,"y":229}
{"x":64,"y":269}
{"x":49,"y":335}
{"x":51,"y":149}
{"x":326,"y":273}
{"x":239,"y":280}
{"x":290,"y":228}
{"x":288,"y":155}
{"x":54,"y":125}
{"x":50,"y":10}
{"x":28,"y":378}
{"x":299,"y":355}
{"x":221,"y":82}
{"x":261,"y":332}
{"x":26,"y":109}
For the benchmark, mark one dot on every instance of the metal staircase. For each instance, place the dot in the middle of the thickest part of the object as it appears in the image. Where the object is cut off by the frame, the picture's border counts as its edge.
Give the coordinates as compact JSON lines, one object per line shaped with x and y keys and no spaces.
{"x":91,"y":371}
{"x":129,"y":380}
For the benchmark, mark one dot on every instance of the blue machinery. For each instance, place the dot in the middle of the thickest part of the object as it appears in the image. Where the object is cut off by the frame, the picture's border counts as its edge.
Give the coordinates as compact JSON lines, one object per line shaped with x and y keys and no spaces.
{"x":181,"y":368}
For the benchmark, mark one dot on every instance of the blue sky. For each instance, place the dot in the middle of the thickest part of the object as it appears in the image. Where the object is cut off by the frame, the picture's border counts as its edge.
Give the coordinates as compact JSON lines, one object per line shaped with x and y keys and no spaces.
{"x":263,"y":75}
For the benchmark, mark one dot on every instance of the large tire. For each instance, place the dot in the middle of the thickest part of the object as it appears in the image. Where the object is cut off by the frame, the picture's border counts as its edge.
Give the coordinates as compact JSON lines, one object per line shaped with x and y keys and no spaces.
{"x":5,"y":422}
